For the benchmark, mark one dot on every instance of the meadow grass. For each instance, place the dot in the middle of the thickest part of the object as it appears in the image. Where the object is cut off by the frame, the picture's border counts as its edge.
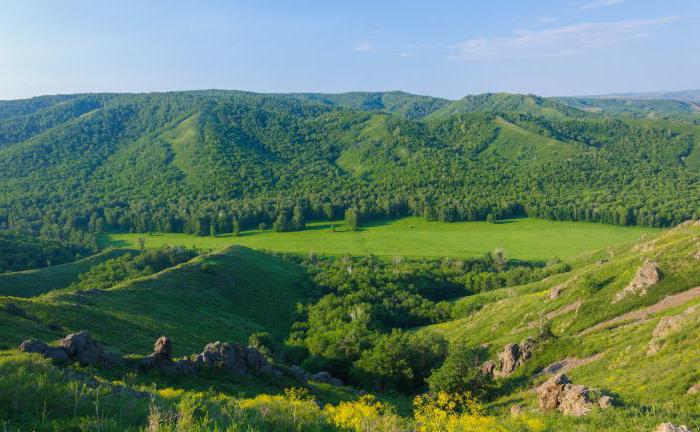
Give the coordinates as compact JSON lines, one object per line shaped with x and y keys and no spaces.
{"x":524,"y":239}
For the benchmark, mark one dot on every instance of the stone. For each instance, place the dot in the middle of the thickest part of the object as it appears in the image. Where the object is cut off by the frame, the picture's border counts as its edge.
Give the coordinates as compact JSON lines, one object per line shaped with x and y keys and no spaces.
{"x":575,"y":400}
{"x":233,"y":358}
{"x":556,"y":291}
{"x":605,"y":402}
{"x":558,"y":393}
{"x":646,"y":276}
{"x":670,"y":427}
{"x":298,"y":373}
{"x":549,"y":392}
{"x":488,"y":367}
{"x":516,"y":410}
{"x":694,"y":389}
{"x":669,"y":324}
{"x":81,"y":347}
{"x":33,"y":346}
{"x":512,"y":356}
{"x":57,"y":354}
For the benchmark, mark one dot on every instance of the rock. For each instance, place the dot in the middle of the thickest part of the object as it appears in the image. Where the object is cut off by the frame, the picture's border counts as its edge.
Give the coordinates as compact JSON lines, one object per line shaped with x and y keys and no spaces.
{"x":57,"y":354}
{"x":516,"y":410}
{"x":548,"y":394}
{"x":81,"y":347}
{"x":575,"y":400}
{"x":232,"y":358}
{"x":488,"y":367}
{"x":696,"y":255}
{"x":666,"y":326}
{"x":512,"y":356}
{"x":558,"y":393}
{"x":694,"y":389}
{"x":646,"y":276}
{"x":556,"y":291}
{"x":508,"y":359}
{"x":163,"y":349}
{"x":605,"y":402}
{"x":669,"y":324}
{"x":326,"y":377}
{"x":670,"y":427}
{"x":33,"y":346}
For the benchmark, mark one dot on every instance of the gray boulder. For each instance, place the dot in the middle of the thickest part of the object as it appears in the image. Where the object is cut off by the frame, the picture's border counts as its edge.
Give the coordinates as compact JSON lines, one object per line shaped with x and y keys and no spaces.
{"x":670,"y":427}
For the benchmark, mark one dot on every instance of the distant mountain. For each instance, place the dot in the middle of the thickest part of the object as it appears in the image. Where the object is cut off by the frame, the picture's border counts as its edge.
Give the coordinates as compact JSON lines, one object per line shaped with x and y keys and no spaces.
{"x":682,"y":95}
{"x":184,"y":161}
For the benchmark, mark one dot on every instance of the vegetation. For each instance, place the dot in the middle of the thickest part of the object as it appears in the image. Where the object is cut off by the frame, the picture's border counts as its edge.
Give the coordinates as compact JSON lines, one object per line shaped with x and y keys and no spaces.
{"x":523,"y":239}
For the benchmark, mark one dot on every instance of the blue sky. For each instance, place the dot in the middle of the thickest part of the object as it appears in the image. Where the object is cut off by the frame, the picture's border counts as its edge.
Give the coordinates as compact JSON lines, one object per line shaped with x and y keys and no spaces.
{"x":440,"y":48}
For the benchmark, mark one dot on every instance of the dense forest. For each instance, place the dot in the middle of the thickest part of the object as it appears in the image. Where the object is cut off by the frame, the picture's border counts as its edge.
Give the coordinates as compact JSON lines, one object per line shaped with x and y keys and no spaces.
{"x":220,"y":161}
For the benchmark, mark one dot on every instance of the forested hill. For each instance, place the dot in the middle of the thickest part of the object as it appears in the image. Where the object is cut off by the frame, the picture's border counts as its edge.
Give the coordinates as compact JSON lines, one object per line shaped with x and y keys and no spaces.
{"x":207,"y":161}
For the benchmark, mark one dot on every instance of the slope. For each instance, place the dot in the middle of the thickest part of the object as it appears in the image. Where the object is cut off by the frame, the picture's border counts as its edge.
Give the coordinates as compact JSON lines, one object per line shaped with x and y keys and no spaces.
{"x":225,"y":295}
{"x":619,"y":347}
{"x":30,"y":283}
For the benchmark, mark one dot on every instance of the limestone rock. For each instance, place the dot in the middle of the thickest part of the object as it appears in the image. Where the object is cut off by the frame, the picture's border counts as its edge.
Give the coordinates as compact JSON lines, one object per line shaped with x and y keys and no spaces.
{"x":516,"y":410}
{"x":512,"y":356}
{"x":556,"y":291}
{"x":558,"y":393}
{"x":670,"y":427}
{"x":694,"y":389}
{"x":646,"y":276}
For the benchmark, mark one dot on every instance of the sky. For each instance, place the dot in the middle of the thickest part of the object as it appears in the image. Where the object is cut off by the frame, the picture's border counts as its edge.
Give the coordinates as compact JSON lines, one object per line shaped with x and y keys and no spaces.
{"x":439,"y":48}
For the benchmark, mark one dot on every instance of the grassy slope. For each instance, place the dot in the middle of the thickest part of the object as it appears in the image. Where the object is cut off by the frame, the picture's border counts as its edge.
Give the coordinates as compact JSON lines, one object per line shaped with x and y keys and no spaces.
{"x":624,"y":368}
{"x":220,"y":296}
{"x":531,"y":239}
{"x":514,"y":142}
{"x":29,"y":283}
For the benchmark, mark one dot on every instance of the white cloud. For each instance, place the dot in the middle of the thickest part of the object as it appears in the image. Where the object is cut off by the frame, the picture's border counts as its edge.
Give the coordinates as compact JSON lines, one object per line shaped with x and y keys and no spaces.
{"x":364,"y":47}
{"x":547,"y":20}
{"x":558,"y":41}
{"x":599,"y":3}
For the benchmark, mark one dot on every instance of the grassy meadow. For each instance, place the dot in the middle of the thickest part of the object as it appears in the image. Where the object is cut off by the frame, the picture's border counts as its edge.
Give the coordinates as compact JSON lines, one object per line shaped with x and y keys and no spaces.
{"x":525,"y":239}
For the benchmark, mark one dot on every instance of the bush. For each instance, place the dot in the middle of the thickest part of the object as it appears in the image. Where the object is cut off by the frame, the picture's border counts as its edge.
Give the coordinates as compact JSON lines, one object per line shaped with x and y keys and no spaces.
{"x":461,"y":371}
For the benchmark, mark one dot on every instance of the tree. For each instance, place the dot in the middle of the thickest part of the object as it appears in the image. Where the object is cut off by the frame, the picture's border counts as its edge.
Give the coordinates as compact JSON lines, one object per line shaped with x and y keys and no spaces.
{"x":298,"y":222}
{"x":351,"y":219}
{"x":142,"y":243}
{"x":400,"y":361}
{"x":262,"y":226}
{"x":491,"y":218}
{"x":212,"y":230}
{"x":282,"y":223}
{"x":236,"y":227}
{"x":461,"y":371}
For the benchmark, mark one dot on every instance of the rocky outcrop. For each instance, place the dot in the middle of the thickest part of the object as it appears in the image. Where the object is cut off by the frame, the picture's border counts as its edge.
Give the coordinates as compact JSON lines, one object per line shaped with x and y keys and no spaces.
{"x":559,"y":393}
{"x":233,"y":358}
{"x":694,"y":389}
{"x":670,"y":427}
{"x":666,"y":326}
{"x":76,"y":347}
{"x":162,"y":360}
{"x":512,"y":356}
{"x":647,"y":275}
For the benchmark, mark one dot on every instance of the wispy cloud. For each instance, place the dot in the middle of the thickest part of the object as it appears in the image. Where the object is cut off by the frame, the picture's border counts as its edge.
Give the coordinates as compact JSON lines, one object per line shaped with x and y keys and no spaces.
{"x":364,"y":47}
{"x":599,"y":3}
{"x":547,"y":20}
{"x":558,"y":41}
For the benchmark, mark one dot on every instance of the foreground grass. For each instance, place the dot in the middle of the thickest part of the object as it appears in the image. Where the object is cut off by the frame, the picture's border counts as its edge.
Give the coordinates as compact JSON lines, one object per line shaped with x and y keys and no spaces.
{"x":525,"y":239}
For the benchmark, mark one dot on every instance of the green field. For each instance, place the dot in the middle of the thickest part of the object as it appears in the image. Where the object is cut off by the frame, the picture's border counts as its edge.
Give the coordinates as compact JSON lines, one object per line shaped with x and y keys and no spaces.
{"x":526,"y":239}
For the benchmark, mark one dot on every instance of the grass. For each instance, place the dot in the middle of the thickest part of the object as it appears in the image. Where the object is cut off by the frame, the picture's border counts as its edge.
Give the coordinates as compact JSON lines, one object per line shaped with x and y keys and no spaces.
{"x":525,"y":239}
{"x":29,"y":283}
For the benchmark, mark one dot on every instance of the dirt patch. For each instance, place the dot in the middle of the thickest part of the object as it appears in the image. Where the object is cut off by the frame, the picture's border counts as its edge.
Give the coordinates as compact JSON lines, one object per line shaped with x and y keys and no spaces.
{"x":567,"y":364}
{"x":640,"y":314}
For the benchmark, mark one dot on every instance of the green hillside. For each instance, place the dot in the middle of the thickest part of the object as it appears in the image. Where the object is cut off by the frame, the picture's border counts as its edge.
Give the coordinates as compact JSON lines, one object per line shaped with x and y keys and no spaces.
{"x":614,"y":337}
{"x":30,"y":283}
{"x":227,"y":294}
